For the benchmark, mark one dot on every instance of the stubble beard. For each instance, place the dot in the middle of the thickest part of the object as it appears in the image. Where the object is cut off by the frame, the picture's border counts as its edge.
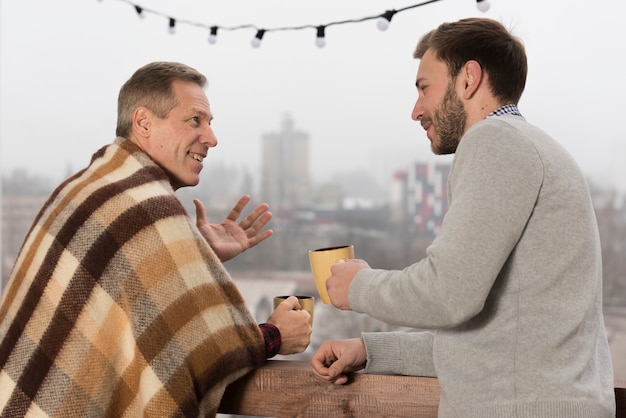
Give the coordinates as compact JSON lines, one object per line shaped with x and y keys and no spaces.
{"x":450,"y":120}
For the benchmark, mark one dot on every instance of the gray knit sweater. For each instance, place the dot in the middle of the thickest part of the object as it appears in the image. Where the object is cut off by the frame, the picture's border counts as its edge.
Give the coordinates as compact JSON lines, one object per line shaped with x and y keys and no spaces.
{"x":511,"y":287}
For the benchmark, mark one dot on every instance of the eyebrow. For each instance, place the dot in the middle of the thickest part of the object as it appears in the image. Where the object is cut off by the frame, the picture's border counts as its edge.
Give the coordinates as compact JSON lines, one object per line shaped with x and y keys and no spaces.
{"x":202,"y":112}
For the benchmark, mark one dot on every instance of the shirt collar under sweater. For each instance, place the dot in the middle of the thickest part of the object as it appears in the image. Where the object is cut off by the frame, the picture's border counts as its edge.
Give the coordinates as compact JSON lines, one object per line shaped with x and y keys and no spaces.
{"x":509,"y":109}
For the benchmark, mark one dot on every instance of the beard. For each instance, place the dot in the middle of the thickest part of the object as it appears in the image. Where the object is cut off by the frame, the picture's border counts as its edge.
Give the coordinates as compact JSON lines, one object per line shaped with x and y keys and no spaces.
{"x":450,"y":120}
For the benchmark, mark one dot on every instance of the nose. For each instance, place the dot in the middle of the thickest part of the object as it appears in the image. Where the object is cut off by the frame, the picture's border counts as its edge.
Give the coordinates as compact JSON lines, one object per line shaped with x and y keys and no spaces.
{"x":208,"y":137}
{"x":418,"y":110}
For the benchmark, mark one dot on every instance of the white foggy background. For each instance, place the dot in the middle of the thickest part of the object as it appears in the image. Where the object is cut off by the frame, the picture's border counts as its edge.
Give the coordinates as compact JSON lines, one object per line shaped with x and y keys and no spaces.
{"x":62,"y":63}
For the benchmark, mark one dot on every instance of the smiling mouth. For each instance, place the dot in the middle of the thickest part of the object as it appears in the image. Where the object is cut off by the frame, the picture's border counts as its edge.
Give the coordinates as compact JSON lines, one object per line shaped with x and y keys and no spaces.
{"x":197,"y":157}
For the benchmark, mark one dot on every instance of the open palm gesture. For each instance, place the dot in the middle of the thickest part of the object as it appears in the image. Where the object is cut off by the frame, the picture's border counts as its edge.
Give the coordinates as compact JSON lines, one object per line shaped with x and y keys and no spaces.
{"x":230,"y":238}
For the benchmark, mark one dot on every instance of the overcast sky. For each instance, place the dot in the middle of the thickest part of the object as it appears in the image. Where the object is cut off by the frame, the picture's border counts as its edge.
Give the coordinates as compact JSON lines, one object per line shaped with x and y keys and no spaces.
{"x":62,"y":63}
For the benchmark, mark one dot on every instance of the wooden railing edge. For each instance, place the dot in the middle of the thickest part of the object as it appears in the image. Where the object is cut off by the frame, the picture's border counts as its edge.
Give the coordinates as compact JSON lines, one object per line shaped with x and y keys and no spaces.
{"x":283,"y":388}
{"x":620,"y":397}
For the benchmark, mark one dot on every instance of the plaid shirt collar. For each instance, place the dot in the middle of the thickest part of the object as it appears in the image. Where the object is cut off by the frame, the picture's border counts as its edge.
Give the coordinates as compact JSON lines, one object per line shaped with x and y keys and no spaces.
{"x":510,"y":109}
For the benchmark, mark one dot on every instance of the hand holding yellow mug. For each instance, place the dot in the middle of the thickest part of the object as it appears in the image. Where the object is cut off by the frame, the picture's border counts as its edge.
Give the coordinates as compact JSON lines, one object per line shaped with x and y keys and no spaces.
{"x":321,"y":260}
{"x":307,"y":303}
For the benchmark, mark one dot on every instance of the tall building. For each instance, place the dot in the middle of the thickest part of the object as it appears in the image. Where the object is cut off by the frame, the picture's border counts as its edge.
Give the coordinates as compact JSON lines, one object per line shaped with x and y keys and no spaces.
{"x":285,"y":177}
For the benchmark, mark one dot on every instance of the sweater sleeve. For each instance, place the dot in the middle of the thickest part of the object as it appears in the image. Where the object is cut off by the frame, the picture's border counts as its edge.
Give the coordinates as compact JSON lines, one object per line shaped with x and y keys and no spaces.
{"x":387,"y":353}
{"x":494,"y":183}
{"x":272,"y":338}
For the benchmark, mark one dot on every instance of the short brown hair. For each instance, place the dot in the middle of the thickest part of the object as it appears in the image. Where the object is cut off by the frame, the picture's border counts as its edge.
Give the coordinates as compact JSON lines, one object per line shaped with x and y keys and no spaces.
{"x":500,"y":54}
{"x":151,"y":86}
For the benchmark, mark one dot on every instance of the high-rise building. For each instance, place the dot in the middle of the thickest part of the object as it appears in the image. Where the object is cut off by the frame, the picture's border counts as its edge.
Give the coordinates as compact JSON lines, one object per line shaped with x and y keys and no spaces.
{"x":285,"y":177}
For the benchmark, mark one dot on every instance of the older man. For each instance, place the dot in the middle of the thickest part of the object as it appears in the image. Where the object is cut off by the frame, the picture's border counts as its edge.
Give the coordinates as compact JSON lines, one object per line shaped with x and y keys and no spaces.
{"x":119,"y":305}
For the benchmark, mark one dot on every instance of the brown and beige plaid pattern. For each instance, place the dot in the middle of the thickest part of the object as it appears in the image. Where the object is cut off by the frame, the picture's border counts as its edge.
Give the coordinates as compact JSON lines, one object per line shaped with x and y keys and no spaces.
{"x":117,"y":306}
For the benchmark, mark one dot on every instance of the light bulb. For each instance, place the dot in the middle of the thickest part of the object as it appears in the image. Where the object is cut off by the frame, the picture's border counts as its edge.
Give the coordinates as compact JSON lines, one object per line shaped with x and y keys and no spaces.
{"x":213,"y":35}
{"x":385,"y":19}
{"x":172,"y":26}
{"x":256,"y":41}
{"x":320,"y":40}
{"x":382,"y":23}
{"x":483,"y":5}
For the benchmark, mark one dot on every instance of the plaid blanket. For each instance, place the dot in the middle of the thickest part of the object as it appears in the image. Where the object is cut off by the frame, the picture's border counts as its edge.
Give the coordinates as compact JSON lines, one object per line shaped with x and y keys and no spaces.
{"x":117,"y":306}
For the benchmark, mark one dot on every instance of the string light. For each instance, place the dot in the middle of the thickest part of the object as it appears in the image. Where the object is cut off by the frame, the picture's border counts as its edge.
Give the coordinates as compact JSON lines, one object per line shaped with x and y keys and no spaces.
{"x":385,"y":19}
{"x":213,"y":35}
{"x":382,"y":23}
{"x":320,"y":40}
{"x":483,"y":5}
{"x":256,"y":41}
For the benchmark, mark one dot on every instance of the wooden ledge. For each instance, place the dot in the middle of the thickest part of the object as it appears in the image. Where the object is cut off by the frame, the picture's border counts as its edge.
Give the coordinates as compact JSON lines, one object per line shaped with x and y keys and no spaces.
{"x":620,"y":398}
{"x":288,"y":389}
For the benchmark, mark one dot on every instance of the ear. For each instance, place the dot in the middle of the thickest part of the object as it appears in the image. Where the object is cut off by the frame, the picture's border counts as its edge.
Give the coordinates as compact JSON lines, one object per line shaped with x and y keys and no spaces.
{"x":473,"y":76}
{"x":142,"y":119}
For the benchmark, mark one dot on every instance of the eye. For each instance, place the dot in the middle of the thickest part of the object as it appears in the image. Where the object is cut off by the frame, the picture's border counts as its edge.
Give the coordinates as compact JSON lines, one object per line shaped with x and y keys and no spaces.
{"x":195,"y":120}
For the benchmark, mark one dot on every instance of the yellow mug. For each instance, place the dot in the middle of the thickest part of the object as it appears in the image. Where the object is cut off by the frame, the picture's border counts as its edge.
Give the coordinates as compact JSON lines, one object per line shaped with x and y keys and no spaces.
{"x":306,"y":302}
{"x":321,"y":260}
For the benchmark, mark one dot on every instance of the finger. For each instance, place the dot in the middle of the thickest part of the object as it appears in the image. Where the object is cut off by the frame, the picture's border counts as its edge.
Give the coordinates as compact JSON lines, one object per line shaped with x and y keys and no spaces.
{"x":320,"y":363}
{"x":258,"y":218}
{"x":328,"y":374}
{"x":235,"y":212}
{"x":342,"y":379}
{"x":335,"y":371}
{"x":320,"y":369}
{"x":253,"y":226}
{"x":322,"y":377}
{"x":256,"y":239}
{"x":200,"y":212}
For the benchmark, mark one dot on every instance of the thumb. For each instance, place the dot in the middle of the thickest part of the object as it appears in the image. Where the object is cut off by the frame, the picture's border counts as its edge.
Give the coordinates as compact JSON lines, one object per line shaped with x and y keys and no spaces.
{"x":293,"y":303}
{"x":336,"y":372}
{"x":335,"y":369}
{"x":200,"y":212}
{"x":338,"y":367}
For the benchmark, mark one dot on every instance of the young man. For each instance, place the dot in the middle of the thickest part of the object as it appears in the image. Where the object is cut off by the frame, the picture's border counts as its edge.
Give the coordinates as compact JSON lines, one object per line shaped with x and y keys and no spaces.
{"x":119,"y":305}
{"x":512,"y":286}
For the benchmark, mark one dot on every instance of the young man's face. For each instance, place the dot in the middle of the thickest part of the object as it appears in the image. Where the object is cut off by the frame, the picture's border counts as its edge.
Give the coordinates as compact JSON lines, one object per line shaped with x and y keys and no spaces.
{"x":180,"y":142}
{"x":438,"y":107}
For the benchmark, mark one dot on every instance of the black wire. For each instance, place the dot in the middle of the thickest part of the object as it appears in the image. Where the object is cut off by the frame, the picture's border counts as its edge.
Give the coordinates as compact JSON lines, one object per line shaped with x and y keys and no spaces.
{"x":252,"y":26}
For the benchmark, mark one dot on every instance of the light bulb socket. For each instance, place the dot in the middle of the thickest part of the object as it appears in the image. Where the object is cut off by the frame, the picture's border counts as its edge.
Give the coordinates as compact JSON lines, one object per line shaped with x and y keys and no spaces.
{"x":388,"y":15}
{"x":172,"y":25}
{"x":139,"y":11}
